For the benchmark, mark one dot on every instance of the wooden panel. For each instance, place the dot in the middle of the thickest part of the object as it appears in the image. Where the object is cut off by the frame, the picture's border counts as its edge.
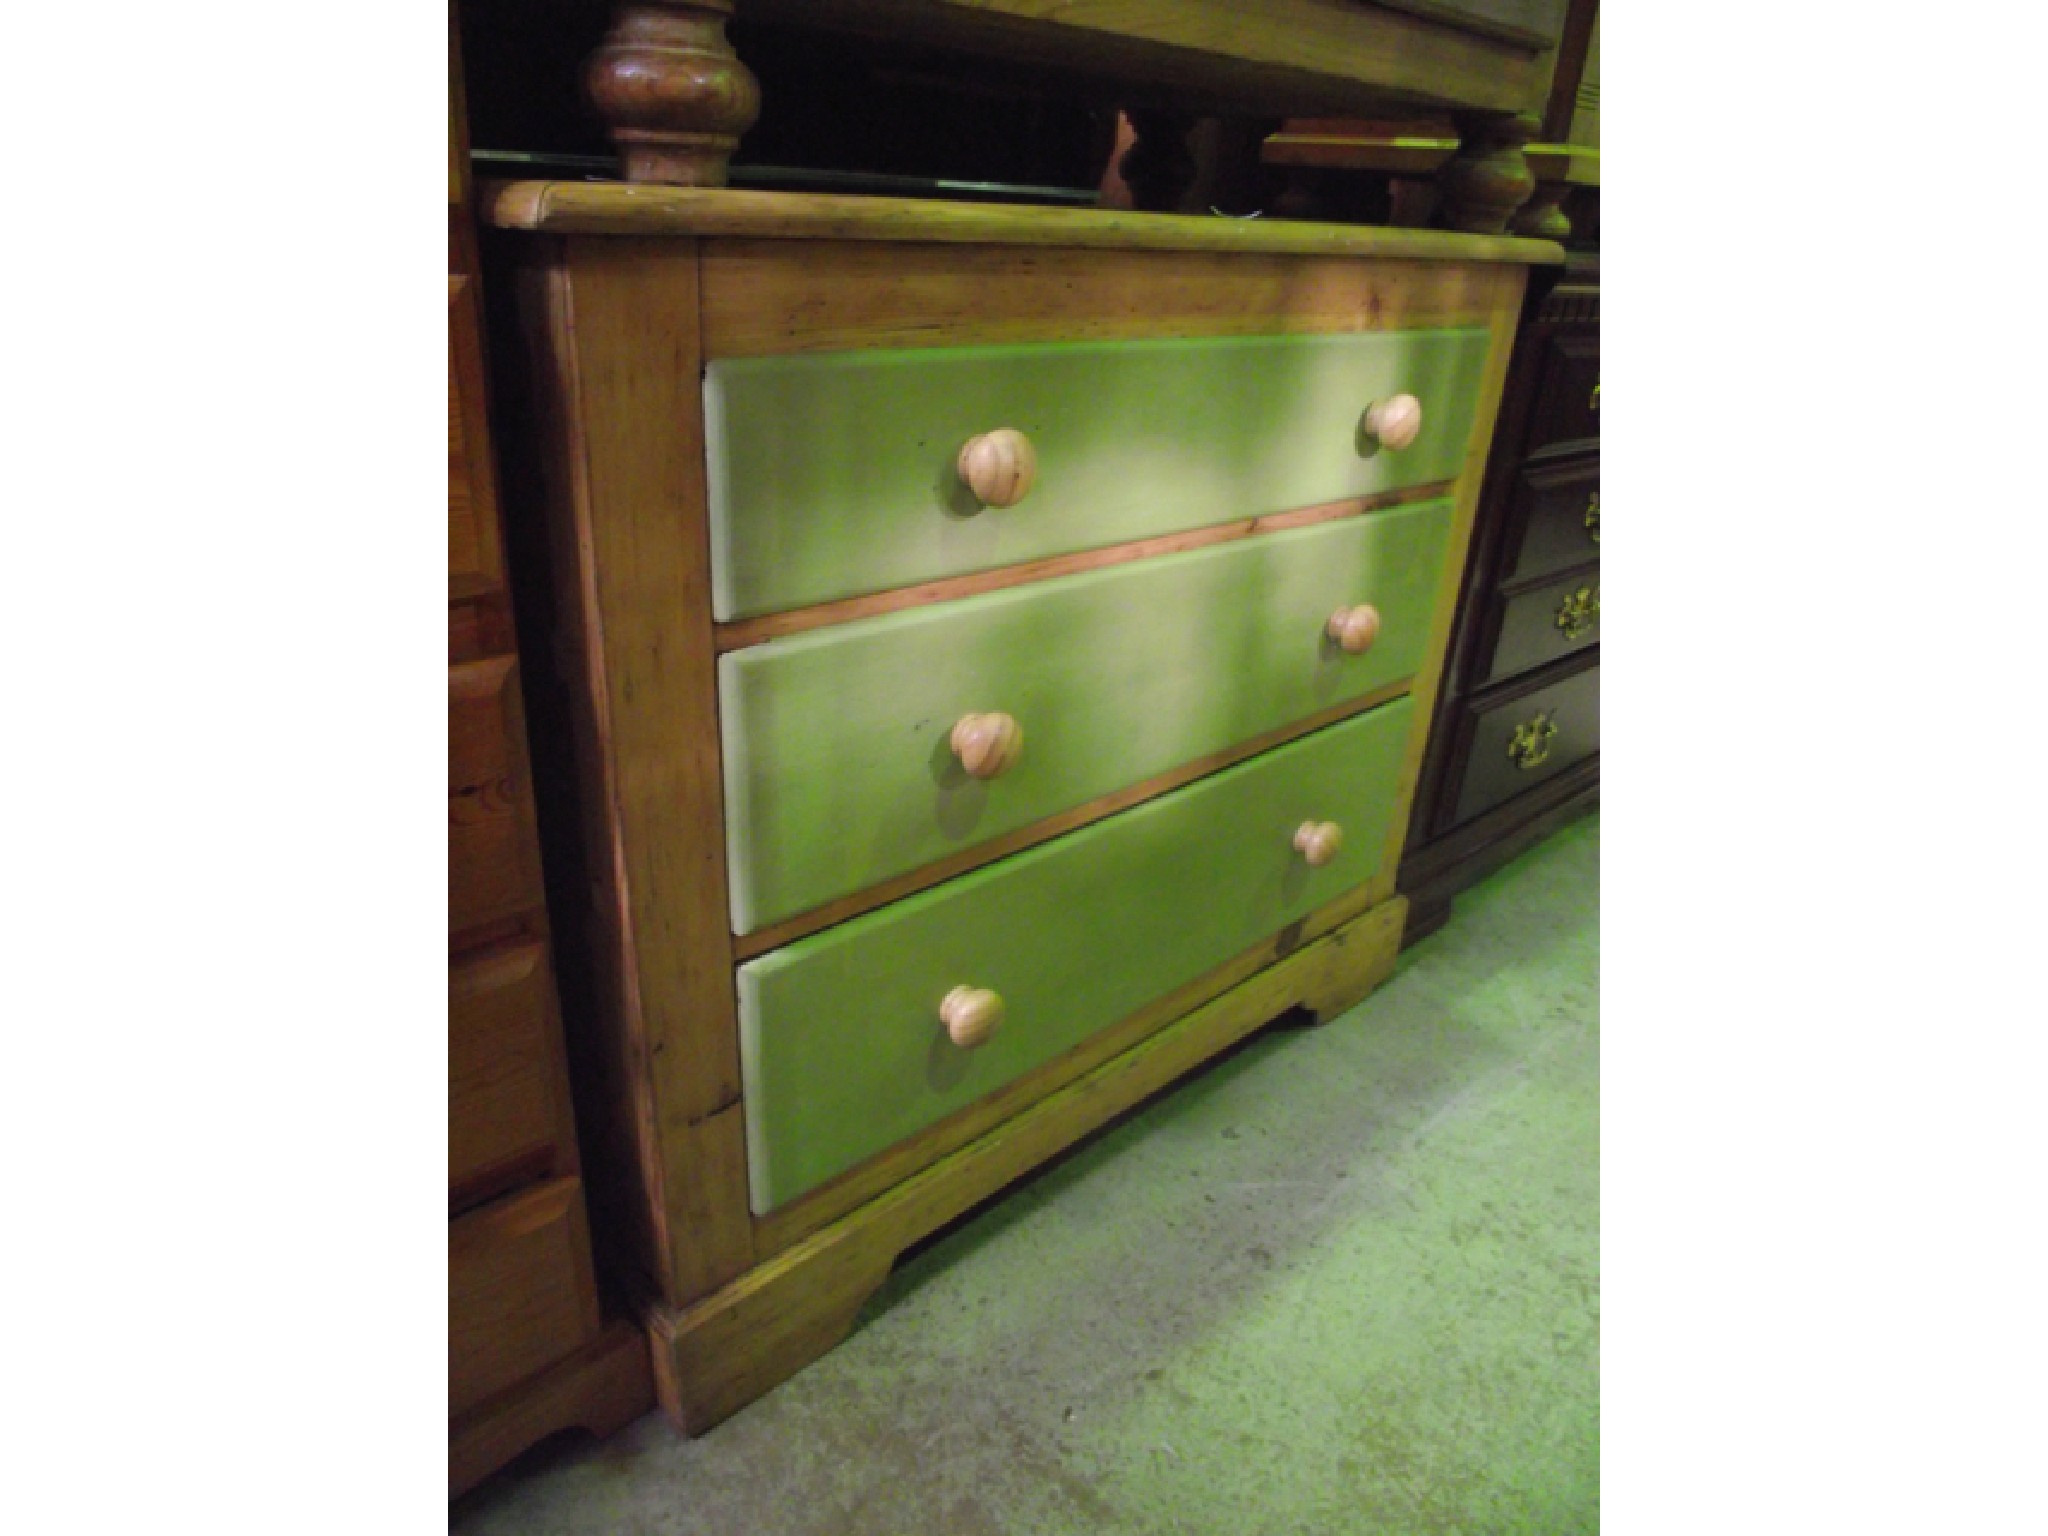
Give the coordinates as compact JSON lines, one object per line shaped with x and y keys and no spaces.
{"x":615,"y":208}
{"x":520,"y":1290}
{"x":842,"y":1049}
{"x":621,"y":345}
{"x":475,"y":562}
{"x":1545,"y":623}
{"x":1492,"y":776}
{"x":504,"y":1102}
{"x":834,"y":474}
{"x":765,"y":297}
{"x":493,"y":863}
{"x":1567,"y":407}
{"x":1553,"y":519}
{"x":838,"y":770}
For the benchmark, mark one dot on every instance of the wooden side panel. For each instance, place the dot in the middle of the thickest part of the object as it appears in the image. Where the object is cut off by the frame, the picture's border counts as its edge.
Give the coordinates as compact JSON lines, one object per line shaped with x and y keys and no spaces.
{"x":1509,"y":283}
{"x":843,"y":1050}
{"x":838,"y":772}
{"x":520,"y":1290}
{"x":835,"y":474}
{"x":624,"y":327}
{"x":493,"y":859}
{"x":475,"y":562}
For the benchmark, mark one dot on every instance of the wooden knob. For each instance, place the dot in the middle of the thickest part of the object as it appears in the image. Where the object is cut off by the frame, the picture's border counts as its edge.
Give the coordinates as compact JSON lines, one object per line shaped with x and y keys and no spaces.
{"x":970,"y":1015}
{"x":999,"y":467}
{"x":1395,"y":421}
{"x":1354,"y":628}
{"x":1318,"y":841}
{"x":987,"y":744}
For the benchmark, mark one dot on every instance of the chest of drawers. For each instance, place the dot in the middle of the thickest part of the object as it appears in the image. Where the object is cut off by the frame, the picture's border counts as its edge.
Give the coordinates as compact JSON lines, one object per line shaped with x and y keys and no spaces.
{"x":980,"y":662}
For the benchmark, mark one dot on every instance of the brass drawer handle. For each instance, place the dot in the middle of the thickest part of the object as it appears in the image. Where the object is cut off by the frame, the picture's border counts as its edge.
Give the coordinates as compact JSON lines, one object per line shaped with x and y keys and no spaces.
{"x":987,"y":745}
{"x":999,"y":467}
{"x":971,"y":1015}
{"x":1578,"y":612}
{"x":1530,"y":744}
{"x":1593,"y":517}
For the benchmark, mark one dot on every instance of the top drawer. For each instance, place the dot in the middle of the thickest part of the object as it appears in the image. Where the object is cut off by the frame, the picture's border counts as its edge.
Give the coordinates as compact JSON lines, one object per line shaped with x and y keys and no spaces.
{"x":836,"y":474}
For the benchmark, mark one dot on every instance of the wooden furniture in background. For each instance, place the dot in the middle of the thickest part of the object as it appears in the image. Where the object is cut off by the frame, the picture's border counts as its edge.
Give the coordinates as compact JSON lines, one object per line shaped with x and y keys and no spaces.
{"x":830,"y":983}
{"x":1515,"y":751}
{"x":677,"y":97}
{"x":528,"y":1352}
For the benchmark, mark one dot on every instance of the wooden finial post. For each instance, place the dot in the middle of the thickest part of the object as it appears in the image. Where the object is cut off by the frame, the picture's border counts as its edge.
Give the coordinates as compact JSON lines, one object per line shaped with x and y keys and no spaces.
{"x":1488,"y":178}
{"x":672,"y":91}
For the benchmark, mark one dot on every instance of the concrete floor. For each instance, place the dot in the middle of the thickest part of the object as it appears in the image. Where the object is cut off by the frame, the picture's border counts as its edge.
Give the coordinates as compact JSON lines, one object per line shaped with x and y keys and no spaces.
{"x":1346,"y":1280}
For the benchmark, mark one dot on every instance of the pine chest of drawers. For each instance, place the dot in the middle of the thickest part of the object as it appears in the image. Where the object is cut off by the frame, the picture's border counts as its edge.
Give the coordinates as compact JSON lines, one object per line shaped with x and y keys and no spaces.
{"x":988,"y":654}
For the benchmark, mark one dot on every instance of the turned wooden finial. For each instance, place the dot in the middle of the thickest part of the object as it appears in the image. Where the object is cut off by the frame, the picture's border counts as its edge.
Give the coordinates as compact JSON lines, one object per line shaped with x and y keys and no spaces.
{"x":1489,"y":177}
{"x":672,"y":91}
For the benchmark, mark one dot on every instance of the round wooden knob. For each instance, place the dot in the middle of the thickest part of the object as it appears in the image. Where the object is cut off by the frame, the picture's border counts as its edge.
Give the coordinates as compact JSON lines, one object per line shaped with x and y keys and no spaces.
{"x":999,"y":467}
{"x":987,"y":744}
{"x":1395,"y":421}
{"x":1354,"y":628}
{"x":970,"y":1015}
{"x":1318,"y":841}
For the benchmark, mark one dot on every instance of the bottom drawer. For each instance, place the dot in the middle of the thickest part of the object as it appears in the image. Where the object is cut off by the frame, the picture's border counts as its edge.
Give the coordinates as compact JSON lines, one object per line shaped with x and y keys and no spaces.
{"x":1523,"y":741}
{"x":843,"y":1048}
{"x":520,"y":1290}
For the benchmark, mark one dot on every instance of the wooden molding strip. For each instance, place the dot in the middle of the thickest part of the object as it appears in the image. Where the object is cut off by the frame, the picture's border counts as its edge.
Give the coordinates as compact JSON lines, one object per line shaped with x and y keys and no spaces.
{"x":740,"y":633}
{"x":620,"y":208}
{"x":788,"y":930}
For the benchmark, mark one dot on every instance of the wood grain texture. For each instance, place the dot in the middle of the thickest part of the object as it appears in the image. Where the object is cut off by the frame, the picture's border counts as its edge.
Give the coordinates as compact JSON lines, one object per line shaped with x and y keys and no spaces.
{"x":1510,"y":284}
{"x":827,"y":1203}
{"x":841,"y":1045}
{"x":775,"y":935}
{"x":615,"y":208}
{"x":1135,"y":439}
{"x":623,"y":325}
{"x":767,"y":297}
{"x":601,"y":1388}
{"x":493,"y":857}
{"x":717,"y":1356}
{"x":508,"y":1111}
{"x":521,"y":1294}
{"x":475,"y":562}
{"x":795,"y":621}
{"x":837,"y":768}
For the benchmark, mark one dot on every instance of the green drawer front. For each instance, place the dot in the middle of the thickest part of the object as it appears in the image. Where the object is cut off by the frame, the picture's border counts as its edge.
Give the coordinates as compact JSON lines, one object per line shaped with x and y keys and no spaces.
{"x":834,"y":474}
{"x":841,"y":1048}
{"x":838,"y":770}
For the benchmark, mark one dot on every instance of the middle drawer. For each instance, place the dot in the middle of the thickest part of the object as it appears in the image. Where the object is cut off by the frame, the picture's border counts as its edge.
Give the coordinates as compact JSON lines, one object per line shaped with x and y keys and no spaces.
{"x":839,"y":765}
{"x":844,"y":1049}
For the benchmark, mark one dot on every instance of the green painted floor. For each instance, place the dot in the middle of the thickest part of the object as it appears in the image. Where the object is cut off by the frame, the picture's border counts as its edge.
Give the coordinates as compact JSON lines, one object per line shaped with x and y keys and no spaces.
{"x":1345,"y":1280}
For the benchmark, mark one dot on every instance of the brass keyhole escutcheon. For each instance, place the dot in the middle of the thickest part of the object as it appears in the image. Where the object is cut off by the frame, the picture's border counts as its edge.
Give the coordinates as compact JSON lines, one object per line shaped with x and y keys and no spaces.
{"x":1578,"y":612}
{"x":1593,"y":517}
